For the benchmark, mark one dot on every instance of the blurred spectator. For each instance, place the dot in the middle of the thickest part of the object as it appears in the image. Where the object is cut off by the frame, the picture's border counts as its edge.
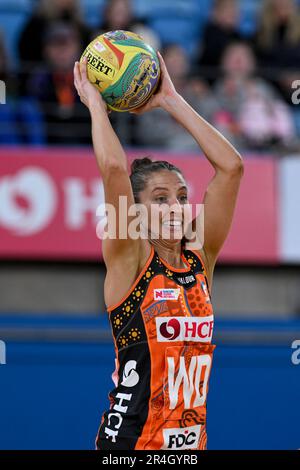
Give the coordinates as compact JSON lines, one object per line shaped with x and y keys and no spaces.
{"x":219,"y":31}
{"x":253,"y":114}
{"x":278,"y":42}
{"x":4,"y":60}
{"x":32,"y":36}
{"x":159,"y":129}
{"x":119,"y":14}
{"x":21,"y":121}
{"x":67,"y":121}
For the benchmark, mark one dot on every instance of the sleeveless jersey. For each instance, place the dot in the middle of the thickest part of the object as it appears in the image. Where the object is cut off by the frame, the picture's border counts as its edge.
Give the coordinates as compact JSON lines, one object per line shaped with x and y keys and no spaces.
{"x":162,"y":332}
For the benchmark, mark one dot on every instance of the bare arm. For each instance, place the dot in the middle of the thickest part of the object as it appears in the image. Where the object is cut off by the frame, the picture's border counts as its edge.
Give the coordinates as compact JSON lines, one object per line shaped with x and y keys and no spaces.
{"x":221,"y":194}
{"x":112,"y":162}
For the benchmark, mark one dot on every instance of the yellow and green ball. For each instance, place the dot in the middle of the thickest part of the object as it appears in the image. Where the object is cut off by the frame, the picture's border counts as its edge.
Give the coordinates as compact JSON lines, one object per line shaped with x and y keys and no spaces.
{"x":123,"y":68}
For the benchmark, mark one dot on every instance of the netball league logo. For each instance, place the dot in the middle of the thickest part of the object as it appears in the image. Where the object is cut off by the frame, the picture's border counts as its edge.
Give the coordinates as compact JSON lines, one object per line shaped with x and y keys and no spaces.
{"x":166,"y":294}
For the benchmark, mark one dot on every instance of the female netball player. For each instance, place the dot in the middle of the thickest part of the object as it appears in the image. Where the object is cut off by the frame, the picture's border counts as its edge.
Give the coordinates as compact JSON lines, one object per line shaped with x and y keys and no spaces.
{"x":157,"y":291}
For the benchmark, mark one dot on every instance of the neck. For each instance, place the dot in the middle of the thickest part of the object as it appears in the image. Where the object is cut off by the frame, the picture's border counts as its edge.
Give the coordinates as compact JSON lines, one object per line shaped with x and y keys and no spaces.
{"x":169,"y":253}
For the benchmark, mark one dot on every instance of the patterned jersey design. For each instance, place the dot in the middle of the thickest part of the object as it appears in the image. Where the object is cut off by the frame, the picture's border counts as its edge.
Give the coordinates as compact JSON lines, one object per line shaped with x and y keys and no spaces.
{"x":162,"y":332}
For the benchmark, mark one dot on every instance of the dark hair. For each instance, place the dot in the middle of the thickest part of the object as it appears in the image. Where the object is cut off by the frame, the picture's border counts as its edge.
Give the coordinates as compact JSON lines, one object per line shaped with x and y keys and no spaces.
{"x":141,"y":168}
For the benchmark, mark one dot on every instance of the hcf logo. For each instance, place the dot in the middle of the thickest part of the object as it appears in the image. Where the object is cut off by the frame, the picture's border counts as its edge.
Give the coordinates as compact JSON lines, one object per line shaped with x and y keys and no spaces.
{"x":122,"y":401}
{"x":184,"y":328}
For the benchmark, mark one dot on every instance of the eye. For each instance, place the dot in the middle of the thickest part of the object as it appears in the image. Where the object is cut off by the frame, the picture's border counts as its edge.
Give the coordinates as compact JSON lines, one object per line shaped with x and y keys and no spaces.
{"x":183,"y":198}
{"x":161,"y":199}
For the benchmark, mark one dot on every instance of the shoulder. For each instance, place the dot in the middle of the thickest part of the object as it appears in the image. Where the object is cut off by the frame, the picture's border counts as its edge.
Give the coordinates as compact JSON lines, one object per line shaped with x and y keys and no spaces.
{"x":208,"y":265}
{"x":123,"y":270}
{"x":126,"y":264}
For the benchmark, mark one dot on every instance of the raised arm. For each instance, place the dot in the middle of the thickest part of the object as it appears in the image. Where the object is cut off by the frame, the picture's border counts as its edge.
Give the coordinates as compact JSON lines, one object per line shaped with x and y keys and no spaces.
{"x":221,"y":194}
{"x":112,"y":162}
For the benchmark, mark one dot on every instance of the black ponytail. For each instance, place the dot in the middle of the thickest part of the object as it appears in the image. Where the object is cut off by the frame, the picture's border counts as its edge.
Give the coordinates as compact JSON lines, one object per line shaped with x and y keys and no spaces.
{"x":141,"y":168}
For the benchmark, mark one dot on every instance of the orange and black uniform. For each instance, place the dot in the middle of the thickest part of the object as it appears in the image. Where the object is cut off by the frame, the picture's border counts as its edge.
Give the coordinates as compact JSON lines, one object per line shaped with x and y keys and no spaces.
{"x":162,"y":331}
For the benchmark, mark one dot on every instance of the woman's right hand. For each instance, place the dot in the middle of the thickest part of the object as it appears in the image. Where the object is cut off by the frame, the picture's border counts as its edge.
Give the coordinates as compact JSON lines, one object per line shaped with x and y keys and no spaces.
{"x":88,"y":93}
{"x":165,"y":92}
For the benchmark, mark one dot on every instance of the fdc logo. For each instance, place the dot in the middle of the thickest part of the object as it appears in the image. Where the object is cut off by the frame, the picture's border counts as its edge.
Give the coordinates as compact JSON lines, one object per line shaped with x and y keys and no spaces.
{"x":182,"y":438}
{"x":2,"y":353}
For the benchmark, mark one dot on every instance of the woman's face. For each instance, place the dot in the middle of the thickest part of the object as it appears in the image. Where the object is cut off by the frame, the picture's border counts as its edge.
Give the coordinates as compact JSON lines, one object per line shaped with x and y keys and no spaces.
{"x":62,"y":52}
{"x":238,"y":60}
{"x":118,"y":14}
{"x":227,"y":14}
{"x":177,"y":62}
{"x":166,"y":201}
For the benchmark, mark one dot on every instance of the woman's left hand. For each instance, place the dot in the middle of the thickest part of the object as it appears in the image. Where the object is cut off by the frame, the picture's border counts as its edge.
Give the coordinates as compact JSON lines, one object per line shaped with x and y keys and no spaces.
{"x":165,"y":91}
{"x":87,"y":92}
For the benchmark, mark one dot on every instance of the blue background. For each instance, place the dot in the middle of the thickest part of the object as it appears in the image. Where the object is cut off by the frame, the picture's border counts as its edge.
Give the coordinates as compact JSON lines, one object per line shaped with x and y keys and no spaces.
{"x":53,"y":394}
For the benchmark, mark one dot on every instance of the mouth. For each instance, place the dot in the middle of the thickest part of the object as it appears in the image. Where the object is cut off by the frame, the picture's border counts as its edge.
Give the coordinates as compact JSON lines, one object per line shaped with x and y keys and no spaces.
{"x":172,"y":223}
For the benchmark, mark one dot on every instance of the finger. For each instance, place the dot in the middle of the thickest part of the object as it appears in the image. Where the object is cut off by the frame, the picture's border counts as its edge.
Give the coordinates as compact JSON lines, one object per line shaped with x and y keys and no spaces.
{"x":163,"y":67}
{"x":76,"y":73}
{"x":162,"y":62}
{"x":76,"y":79}
{"x":79,"y":72}
{"x":77,"y":86}
{"x":83,"y":66}
{"x":140,"y":110}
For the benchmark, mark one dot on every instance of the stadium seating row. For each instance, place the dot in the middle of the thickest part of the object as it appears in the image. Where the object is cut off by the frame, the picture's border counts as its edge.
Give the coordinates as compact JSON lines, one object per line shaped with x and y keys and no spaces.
{"x":176,"y":21}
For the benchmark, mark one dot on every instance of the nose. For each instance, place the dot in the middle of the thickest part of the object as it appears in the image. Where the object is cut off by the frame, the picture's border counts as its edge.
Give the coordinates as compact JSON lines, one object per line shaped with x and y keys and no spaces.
{"x":173,"y":201}
{"x":175,"y":206}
